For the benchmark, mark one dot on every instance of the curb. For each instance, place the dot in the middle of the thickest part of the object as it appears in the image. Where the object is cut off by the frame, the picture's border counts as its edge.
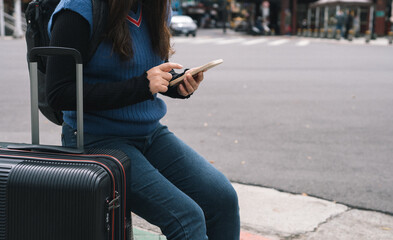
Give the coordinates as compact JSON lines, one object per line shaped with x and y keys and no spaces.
{"x":140,"y":234}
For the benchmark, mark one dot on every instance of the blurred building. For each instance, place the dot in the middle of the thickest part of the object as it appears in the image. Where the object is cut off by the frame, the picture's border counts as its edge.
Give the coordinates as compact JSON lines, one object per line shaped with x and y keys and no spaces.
{"x":288,"y":16}
{"x":266,"y":16}
{"x":358,"y":15}
{"x":12,"y":20}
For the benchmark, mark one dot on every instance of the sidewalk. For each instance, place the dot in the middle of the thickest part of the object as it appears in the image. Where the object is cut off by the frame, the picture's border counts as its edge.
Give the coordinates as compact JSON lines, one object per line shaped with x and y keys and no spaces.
{"x":382,"y":41}
{"x":217,"y":32}
{"x":267,"y":214}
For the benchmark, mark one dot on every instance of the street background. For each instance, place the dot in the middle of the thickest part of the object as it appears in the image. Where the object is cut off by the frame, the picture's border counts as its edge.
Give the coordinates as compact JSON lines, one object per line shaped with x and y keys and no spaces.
{"x":300,"y":116}
{"x":312,"y":119}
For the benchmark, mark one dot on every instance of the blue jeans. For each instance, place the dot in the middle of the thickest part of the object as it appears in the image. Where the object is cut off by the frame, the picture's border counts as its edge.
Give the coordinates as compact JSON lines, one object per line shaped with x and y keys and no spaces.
{"x":172,"y":186}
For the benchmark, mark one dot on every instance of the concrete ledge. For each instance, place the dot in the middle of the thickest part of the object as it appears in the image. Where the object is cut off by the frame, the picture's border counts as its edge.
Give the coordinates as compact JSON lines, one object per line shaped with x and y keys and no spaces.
{"x":271,"y":212}
{"x":267,"y":214}
{"x":355,"y":225}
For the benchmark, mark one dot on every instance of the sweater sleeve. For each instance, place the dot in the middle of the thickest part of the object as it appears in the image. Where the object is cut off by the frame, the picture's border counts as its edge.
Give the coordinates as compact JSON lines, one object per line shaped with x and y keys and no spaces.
{"x":71,"y":30}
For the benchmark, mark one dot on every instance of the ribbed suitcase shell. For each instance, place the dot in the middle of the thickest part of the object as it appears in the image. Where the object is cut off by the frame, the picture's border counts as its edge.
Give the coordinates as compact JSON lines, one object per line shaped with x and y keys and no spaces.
{"x":45,"y":196}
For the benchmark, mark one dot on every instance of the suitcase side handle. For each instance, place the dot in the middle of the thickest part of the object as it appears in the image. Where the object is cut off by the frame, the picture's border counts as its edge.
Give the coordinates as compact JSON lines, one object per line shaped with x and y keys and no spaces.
{"x":33,"y":59}
{"x":44,"y":148}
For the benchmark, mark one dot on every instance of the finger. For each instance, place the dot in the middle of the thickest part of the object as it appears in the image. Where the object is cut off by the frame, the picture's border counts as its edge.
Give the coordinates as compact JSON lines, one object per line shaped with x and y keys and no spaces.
{"x":163,"y":88}
{"x":199,"y":77}
{"x":182,"y":91}
{"x":159,"y":83}
{"x":167,"y":76}
{"x":164,"y":82}
{"x":166,"y":67}
{"x":188,"y":86}
{"x":192,"y":82}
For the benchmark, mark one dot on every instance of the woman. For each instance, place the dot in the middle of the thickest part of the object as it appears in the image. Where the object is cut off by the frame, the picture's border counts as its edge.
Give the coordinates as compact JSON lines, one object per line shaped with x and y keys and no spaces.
{"x":169,"y":184}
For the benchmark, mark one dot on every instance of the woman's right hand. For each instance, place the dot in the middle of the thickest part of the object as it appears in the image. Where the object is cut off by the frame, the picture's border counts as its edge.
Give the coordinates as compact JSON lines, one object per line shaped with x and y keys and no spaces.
{"x":159,"y":76}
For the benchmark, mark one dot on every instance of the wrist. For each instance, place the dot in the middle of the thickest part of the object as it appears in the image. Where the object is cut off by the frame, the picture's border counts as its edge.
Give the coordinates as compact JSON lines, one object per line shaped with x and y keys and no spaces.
{"x":146,"y":88}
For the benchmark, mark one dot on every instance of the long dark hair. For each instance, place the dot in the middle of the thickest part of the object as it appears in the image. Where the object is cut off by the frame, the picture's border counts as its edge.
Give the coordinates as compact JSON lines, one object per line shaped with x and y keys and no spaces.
{"x":154,"y":11}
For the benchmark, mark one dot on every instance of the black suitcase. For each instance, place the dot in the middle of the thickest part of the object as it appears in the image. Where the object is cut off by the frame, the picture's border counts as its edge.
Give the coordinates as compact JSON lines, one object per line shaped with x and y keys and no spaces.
{"x":56,"y":193}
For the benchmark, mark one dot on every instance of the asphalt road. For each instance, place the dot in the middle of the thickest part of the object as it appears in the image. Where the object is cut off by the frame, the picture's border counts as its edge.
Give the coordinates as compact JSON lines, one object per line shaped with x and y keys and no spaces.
{"x":312,"y":118}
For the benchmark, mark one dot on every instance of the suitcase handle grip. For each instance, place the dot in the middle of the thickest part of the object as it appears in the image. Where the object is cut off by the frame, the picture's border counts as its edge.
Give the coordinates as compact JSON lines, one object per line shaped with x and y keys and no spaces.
{"x":54,"y":51}
{"x":33,"y":59}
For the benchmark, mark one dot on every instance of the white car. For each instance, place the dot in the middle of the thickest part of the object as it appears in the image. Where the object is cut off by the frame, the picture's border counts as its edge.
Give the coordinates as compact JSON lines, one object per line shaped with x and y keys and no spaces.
{"x":182,"y":24}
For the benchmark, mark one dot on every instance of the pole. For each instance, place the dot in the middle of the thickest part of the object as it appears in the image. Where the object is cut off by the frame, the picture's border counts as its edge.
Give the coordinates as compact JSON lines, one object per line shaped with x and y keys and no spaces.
{"x":294,"y":17}
{"x":326,"y":21}
{"x":369,"y":32}
{"x":357,"y":29}
{"x":18,"y":33}
{"x":2,"y":25}
{"x":339,"y":31}
{"x":391,"y":18}
{"x":309,"y":23}
{"x":317,"y":21}
{"x":224,"y":16}
{"x":309,"y":18}
{"x":370,"y":24}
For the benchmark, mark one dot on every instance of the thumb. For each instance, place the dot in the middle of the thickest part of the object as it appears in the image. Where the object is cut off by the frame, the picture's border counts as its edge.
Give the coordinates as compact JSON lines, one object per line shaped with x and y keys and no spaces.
{"x":166,"y":67}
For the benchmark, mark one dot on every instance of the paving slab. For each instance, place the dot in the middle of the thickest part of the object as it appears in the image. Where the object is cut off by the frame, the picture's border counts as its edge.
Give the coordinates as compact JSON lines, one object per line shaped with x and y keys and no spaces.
{"x":355,"y":225}
{"x":142,"y":234}
{"x":141,"y":223}
{"x":274,"y":213}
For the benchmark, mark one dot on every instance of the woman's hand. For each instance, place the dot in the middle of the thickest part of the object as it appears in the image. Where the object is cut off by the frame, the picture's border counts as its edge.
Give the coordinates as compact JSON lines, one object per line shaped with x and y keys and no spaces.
{"x":159,"y":76}
{"x":190,"y":83}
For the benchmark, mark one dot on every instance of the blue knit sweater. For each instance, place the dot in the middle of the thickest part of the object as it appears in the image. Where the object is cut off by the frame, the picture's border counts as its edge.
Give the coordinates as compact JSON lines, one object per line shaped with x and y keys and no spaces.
{"x":106,"y":66}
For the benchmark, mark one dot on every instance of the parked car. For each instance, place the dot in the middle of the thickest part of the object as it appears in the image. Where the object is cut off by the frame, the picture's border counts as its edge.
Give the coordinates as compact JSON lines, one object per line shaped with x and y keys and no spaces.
{"x":182,"y":24}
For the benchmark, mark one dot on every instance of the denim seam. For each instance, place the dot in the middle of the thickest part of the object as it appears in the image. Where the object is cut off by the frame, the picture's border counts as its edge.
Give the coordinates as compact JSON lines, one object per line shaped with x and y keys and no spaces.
{"x":182,"y":227}
{"x":172,"y":214}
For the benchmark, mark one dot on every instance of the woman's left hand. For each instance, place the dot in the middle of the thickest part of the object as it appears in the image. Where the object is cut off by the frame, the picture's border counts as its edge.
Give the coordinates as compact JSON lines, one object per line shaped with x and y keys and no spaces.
{"x":190,"y":84}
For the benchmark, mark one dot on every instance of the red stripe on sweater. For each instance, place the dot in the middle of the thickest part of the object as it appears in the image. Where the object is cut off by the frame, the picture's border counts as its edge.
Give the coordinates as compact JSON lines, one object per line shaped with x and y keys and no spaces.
{"x":136,"y":22}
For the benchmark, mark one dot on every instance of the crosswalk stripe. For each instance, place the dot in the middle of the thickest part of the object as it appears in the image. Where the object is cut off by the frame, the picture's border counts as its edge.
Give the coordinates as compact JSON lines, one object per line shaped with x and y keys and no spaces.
{"x":255,"y":41}
{"x":303,"y":43}
{"x":229,"y":41}
{"x":278,"y":42}
{"x":206,"y":40}
{"x":180,"y":40}
{"x":240,"y":41}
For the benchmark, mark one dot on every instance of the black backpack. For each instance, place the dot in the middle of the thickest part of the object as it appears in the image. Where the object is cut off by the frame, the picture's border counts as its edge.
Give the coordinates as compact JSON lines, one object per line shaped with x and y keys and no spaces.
{"x":38,"y":14}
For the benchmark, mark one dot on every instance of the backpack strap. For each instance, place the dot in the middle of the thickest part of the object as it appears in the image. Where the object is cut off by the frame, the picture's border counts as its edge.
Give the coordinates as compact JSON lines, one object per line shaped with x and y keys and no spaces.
{"x":100,"y":14}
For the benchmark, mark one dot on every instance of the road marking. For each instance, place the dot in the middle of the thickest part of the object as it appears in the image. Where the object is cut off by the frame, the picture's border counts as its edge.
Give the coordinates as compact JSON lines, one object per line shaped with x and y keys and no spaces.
{"x":180,"y":39}
{"x":380,"y":42}
{"x":255,"y":41}
{"x":278,"y":42}
{"x":205,"y":40}
{"x":229,"y":41}
{"x":303,"y":43}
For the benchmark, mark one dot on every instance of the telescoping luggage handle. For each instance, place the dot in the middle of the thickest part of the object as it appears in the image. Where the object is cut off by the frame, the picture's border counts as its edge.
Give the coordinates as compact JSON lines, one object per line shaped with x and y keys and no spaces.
{"x":33,"y":59}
